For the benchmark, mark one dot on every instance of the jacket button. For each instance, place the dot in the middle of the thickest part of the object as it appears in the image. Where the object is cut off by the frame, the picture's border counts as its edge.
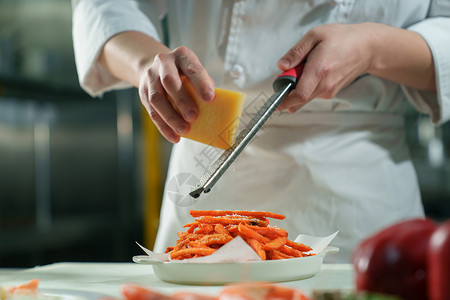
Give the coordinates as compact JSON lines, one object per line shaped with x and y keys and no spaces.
{"x":237,"y":71}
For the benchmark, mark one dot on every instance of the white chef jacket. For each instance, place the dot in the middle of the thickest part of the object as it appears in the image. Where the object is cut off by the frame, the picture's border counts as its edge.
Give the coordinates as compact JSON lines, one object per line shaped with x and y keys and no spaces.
{"x":339,"y":164}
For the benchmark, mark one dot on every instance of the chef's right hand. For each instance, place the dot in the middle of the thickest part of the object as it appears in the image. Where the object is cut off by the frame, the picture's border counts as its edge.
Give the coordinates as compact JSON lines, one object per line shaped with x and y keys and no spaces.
{"x":162,"y":79}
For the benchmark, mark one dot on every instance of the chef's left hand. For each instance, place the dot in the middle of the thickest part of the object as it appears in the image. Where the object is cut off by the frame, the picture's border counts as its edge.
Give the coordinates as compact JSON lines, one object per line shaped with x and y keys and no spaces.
{"x":335,"y":55}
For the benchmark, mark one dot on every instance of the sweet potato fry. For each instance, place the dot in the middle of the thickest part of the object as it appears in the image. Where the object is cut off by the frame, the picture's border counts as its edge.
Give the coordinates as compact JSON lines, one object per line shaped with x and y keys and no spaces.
{"x":222,"y":220}
{"x":215,"y":239}
{"x":214,"y":228}
{"x":191,"y":224}
{"x":281,"y":255}
{"x":189,"y":236}
{"x":204,"y":229}
{"x":263,"y":222}
{"x":30,"y":286}
{"x":232,"y":220}
{"x":231,"y":228}
{"x":219,"y":228}
{"x":251,"y":234}
{"x":275,"y":244}
{"x":298,"y":246}
{"x":257,"y":247}
{"x":270,"y":232}
{"x":180,"y":245}
{"x":291,"y":251}
{"x":196,"y":244}
{"x":192,"y":228}
{"x":191,"y":251}
{"x":275,"y":254}
{"x":249,"y":213}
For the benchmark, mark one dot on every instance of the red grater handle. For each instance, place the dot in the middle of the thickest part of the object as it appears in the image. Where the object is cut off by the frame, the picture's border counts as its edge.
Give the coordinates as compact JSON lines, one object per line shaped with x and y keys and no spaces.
{"x":291,"y":76}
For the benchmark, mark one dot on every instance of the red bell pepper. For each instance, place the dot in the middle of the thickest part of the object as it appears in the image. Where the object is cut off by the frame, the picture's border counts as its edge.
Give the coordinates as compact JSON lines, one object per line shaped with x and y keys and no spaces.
{"x":438,"y":264}
{"x":393,"y":261}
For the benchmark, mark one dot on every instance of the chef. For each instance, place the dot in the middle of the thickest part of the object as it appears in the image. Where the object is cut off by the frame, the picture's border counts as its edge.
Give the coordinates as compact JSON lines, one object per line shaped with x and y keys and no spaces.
{"x":334,"y":156}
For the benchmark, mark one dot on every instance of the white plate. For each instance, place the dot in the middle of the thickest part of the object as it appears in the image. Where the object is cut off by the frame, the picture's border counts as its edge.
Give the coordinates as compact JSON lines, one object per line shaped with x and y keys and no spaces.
{"x":222,"y":273}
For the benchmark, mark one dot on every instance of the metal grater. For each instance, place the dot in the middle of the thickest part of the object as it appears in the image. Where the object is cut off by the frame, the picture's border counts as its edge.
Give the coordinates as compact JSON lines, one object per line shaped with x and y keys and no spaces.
{"x":283,"y":85}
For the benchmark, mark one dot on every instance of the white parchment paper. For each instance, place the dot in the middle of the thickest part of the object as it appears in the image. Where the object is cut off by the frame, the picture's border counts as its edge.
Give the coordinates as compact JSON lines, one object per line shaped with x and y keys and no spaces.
{"x":237,"y":250}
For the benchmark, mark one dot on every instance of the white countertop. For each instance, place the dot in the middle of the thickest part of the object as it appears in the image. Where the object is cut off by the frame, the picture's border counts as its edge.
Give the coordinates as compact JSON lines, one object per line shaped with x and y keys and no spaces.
{"x":106,"y":278}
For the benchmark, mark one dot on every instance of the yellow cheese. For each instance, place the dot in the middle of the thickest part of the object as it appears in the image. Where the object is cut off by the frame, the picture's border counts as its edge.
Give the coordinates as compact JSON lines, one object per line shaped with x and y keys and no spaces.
{"x":218,"y":121}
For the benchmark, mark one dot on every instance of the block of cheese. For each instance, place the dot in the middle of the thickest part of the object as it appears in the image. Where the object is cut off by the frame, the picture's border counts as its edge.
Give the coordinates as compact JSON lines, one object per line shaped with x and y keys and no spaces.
{"x":217,"y":121}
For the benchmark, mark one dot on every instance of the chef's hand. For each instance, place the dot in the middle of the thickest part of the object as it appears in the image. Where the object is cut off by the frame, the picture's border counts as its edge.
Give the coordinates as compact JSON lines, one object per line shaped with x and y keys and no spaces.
{"x":336,"y":54}
{"x":162,"y":79}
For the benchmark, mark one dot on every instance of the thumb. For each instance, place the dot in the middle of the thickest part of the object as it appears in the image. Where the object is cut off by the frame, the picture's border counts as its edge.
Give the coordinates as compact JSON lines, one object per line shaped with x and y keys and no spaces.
{"x":297,"y":53}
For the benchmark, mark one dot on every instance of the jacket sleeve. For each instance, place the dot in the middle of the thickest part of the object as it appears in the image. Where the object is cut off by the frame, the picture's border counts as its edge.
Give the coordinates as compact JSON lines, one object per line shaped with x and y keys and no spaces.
{"x":436,"y":32}
{"x":94,"y":22}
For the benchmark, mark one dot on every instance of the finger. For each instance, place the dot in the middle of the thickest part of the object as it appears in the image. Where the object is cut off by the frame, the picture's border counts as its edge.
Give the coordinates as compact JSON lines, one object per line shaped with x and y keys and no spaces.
{"x":298,"y":52}
{"x":295,"y":98}
{"x":312,"y":76}
{"x":293,"y":109}
{"x":163,"y":128}
{"x":143,"y":95}
{"x":172,"y":84}
{"x":191,"y":67}
{"x":159,"y":102}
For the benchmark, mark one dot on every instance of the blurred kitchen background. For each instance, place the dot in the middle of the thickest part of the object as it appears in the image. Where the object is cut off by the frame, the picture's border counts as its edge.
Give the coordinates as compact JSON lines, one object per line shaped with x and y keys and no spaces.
{"x":72,"y":168}
{"x":81,"y":178}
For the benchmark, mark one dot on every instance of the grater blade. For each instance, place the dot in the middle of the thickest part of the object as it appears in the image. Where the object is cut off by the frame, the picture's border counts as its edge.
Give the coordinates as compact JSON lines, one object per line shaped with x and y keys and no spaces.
{"x":244,"y":137}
